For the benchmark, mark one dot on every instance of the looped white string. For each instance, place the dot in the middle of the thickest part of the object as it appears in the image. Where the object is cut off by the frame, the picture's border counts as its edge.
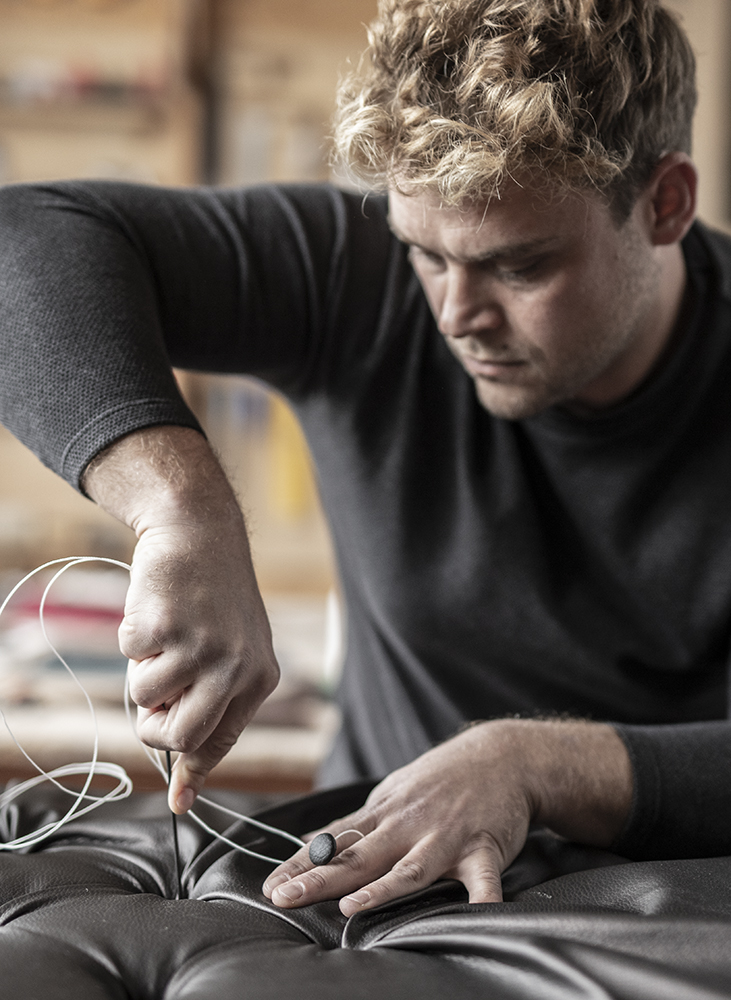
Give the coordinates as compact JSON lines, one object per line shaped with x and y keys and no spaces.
{"x":342,"y":833}
{"x":156,"y":759}
{"x":84,"y":801}
{"x":90,"y":768}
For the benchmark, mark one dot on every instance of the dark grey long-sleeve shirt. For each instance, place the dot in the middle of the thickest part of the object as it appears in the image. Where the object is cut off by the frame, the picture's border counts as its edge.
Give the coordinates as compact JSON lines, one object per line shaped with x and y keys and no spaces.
{"x":489,"y":567}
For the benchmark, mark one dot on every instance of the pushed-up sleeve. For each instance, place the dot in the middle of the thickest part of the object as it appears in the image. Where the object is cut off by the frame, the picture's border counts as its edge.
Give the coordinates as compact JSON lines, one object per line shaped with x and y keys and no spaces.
{"x":105,"y":286}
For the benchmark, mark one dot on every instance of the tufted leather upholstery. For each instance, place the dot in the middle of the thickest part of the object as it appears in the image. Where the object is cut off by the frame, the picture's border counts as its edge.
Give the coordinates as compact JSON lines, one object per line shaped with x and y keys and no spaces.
{"x":89,"y":915}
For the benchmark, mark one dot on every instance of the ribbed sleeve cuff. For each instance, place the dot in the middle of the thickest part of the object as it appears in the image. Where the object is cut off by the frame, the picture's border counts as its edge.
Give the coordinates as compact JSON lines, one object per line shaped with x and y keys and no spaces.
{"x":114,"y":423}
{"x":682,"y":791}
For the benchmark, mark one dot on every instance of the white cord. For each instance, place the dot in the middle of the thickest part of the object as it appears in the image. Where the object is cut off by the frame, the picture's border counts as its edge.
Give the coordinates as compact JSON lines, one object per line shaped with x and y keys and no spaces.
{"x":94,"y":766}
{"x":90,"y":768}
{"x":156,"y":760}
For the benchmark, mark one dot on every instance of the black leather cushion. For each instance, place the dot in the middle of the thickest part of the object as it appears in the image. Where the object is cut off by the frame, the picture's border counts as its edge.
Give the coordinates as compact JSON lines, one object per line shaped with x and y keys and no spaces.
{"x":90,"y":915}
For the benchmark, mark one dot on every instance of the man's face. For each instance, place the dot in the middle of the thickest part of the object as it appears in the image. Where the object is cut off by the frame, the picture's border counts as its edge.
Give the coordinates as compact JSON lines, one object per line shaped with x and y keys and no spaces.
{"x":542,"y":301}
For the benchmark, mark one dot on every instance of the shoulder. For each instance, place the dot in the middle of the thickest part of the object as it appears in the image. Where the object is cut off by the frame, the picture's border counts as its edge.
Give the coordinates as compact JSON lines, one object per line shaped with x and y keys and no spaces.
{"x":313,"y":206}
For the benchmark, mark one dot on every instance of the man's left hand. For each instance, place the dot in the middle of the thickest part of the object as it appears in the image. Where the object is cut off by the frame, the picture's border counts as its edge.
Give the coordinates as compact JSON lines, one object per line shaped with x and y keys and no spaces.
{"x":462,"y":810}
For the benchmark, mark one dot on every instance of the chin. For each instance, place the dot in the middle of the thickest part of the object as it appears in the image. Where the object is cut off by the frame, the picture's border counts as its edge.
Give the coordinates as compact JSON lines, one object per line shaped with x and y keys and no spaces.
{"x":511,"y":402}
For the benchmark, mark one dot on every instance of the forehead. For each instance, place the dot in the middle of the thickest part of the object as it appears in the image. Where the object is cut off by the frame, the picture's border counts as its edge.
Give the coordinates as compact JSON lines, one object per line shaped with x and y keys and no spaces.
{"x":519,"y":216}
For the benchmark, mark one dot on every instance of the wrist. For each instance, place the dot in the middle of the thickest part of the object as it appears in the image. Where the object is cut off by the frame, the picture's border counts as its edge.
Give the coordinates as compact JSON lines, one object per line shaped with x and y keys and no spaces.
{"x":576,"y":776}
{"x":582,"y":780}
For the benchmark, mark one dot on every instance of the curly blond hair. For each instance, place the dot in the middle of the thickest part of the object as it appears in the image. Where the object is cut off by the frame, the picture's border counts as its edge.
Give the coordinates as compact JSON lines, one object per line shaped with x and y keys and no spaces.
{"x":459,"y":95}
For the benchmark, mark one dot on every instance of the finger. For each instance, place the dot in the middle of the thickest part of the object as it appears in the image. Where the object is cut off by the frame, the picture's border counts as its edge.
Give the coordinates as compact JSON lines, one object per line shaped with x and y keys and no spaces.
{"x":417,"y":869}
{"x":348,"y":872}
{"x":294,"y":866}
{"x":145,"y":633}
{"x":184,"y":718}
{"x":300,"y":860}
{"x":192,"y":769}
{"x":160,"y":679}
{"x":479,"y":872}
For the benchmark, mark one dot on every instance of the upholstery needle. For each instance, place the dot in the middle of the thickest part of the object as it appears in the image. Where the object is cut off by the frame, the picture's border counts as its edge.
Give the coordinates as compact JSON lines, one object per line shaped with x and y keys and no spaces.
{"x":176,"y":847}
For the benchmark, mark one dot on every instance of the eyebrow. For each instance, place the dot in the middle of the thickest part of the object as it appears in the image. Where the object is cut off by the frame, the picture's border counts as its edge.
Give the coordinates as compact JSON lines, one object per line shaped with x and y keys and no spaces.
{"x":524,"y":249}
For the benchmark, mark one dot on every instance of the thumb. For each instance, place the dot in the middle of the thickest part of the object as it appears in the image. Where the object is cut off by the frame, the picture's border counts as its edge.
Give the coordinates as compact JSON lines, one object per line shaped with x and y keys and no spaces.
{"x":191,"y":769}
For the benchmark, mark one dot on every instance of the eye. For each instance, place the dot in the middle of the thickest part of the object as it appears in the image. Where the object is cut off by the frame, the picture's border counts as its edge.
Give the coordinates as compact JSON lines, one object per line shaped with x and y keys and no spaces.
{"x":523,"y":271}
{"x":418,"y":255}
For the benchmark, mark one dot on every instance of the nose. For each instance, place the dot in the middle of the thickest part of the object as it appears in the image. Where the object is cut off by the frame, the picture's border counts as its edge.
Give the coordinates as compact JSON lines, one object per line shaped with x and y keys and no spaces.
{"x":469,"y":305}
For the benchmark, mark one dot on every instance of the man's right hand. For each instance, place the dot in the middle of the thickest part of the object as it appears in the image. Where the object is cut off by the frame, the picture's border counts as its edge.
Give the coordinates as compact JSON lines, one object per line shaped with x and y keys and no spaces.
{"x":195,"y":629}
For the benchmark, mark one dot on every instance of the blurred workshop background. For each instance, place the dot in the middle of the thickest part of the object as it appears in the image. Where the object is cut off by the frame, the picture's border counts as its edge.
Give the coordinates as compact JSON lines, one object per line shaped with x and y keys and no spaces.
{"x":180,"y":92}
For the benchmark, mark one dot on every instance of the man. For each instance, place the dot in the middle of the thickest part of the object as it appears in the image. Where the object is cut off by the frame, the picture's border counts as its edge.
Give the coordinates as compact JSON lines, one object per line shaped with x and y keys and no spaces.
{"x":513,"y":383}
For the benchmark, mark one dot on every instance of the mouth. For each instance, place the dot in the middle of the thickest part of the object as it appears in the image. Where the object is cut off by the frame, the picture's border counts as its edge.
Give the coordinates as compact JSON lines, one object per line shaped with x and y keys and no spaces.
{"x":489,"y":368}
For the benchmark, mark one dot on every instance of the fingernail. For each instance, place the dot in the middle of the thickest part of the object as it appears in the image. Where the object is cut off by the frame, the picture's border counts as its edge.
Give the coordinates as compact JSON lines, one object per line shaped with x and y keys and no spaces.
{"x":293,"y":892}
{"x":360,"y":898}
{"x":271,"y":883}
{"x":185,"y":799}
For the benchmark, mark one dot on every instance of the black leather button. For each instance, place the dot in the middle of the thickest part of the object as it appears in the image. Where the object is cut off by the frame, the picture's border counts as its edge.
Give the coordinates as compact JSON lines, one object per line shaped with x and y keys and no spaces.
{"x":323,"y":849}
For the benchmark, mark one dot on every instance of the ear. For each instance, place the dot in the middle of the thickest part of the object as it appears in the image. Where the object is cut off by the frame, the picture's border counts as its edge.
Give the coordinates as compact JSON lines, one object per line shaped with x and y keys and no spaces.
{"x":671,"y":198}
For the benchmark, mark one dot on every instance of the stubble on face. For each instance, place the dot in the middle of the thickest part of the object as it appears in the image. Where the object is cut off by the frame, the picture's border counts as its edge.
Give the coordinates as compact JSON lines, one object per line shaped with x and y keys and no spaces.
{"x":576,"y":335}
{"x":592,"y":347}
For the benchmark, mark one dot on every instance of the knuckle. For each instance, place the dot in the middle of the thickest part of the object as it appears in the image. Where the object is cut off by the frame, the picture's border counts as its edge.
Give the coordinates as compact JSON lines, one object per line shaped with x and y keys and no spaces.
{"x":491,"y":845}
{"x":315,"y":879}
{"x":271,"y":679}
{"x":205,"y":750}
{"x":154,"y":741}
{"x":221,"y":742}
{"x":187,"y":744}
{"x":259,"y":675}
{"x":154,"y":734}
{"x":146,"y":682}
{"x":231,"y":662}
{"x":142,"y":634}
{"x":411,"y":871}
{"x":143,"y":695}
{"x":130,"y":642}
{"x":415,"y":814}
{"x":352,"y":860}
{"x":193,"y":774}
{"x":293,"y":868}
{"x":214,"y":750}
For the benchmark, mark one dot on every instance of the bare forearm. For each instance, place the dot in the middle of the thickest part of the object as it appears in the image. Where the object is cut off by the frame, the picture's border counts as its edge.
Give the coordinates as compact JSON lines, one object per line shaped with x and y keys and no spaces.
{"x":195,"y":629}
{"x":163,"y":472}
